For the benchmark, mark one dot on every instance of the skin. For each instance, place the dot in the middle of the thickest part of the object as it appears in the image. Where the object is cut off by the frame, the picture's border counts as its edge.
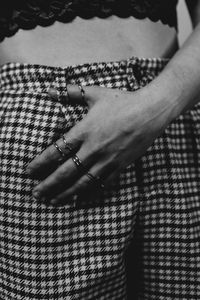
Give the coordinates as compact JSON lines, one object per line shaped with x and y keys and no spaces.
{"x":93,"y":40}
{"x":107,"y":141}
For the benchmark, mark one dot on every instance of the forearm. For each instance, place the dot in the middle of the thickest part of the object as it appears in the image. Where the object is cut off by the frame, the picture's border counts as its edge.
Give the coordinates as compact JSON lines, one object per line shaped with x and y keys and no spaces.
{"x":179,"y":83}
{"x":194,"y":11}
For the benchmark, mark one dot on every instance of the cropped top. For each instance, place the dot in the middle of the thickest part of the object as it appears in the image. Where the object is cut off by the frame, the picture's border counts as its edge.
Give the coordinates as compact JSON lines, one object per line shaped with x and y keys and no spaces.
{"x":27,"y":14}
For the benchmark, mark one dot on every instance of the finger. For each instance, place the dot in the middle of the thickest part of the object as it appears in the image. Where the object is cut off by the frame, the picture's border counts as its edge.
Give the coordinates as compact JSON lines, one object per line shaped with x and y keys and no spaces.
{"x":53,"y":156}
{"x":82,"y":184}
{"x":94,"y":180}
{"x":78,"y":94}
{"x":62,"y":178}
{"x":111,"y":179}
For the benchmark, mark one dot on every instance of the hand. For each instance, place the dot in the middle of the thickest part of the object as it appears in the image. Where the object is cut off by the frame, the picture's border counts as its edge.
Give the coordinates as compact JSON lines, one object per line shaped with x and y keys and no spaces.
{"x":118,"y":128}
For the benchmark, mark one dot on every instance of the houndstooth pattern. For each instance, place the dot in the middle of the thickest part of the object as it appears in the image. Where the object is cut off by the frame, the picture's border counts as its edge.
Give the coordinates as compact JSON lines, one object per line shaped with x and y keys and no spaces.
{"x":146,"y":224}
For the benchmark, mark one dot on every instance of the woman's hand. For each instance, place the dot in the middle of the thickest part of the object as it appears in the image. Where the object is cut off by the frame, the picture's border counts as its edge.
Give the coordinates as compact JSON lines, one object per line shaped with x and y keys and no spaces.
{"x":118,"y":128}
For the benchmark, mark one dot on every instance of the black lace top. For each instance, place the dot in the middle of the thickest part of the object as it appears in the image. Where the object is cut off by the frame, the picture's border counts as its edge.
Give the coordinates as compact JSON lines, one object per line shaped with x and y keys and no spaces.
{"x":27,"y":14}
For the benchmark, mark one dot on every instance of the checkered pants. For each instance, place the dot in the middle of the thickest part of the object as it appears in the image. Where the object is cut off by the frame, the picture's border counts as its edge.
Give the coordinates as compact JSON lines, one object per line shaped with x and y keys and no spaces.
{"x":139,"y":240}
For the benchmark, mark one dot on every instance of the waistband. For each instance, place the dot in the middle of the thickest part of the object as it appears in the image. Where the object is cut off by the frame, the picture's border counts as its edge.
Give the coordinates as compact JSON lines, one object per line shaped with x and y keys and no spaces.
{"x":18,"y":75}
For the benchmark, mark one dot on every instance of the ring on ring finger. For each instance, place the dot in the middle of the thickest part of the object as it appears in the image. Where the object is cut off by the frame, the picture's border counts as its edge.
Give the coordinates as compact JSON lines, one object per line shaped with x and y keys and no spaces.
{"x":78,"y":163}
{"x":96,"y":179}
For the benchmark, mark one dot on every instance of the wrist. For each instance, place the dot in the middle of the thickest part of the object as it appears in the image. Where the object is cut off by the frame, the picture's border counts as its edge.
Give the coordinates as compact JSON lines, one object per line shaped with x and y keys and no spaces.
{"x":165,"y":97}
{"x":180,"y":82}
{"x":173,"y":90}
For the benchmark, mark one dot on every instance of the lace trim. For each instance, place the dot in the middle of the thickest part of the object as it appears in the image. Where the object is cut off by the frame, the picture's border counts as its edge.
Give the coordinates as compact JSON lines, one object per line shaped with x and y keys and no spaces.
{"x":27,"y":14}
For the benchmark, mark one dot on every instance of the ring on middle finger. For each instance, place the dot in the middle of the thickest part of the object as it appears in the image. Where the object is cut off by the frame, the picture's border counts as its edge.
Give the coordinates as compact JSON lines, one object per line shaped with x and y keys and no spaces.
{"x":78,"y":163}
{"x":96,"y":180}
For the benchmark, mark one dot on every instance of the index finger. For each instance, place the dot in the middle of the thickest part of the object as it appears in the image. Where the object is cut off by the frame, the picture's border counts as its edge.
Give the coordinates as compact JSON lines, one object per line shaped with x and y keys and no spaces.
{"x":45,"y":163}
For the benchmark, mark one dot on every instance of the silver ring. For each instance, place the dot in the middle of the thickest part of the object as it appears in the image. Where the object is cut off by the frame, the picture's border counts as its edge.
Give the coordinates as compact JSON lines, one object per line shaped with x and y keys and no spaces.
{"x":63,"y":155}
{"x":96,"y":179}
{"x":78,"y":163}
{"x":82,"y":92}
{"x":68,"y":146}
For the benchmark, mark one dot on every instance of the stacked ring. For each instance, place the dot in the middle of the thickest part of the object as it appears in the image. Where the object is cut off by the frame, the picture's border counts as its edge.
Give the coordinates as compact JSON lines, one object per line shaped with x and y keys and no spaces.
{"x":68,"y":146}
{"x":63,"y":155}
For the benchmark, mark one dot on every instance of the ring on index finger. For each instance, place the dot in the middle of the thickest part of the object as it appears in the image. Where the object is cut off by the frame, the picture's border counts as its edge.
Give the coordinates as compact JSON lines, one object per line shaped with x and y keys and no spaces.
{"x":68,"y":146}
{"x":62,"y":154}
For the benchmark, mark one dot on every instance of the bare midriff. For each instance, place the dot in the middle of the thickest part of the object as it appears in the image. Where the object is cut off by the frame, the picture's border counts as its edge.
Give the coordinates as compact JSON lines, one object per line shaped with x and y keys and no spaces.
{"x":86,"y":41}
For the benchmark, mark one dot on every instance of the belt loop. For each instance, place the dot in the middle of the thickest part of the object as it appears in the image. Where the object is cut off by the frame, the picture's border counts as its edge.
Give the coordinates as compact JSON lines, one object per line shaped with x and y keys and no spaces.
{"x":68,"y":72}
{"x":51,"y":77}
{"x":133,"y":74}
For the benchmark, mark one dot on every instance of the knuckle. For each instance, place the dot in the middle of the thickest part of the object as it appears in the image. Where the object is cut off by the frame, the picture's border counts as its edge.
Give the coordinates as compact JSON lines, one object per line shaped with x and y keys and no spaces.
{"x":50,"y":153}
{"x":92,"y":152}
{"x":75,"y":136}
